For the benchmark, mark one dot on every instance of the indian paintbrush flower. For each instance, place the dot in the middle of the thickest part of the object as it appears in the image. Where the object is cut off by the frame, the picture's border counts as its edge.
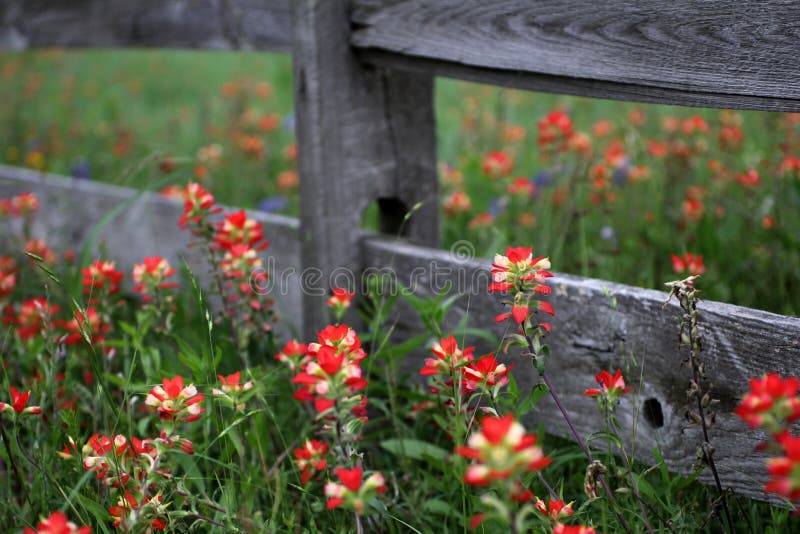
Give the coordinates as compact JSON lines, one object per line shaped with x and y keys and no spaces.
{"x":352,"y":491}
{"x":19,"y":404}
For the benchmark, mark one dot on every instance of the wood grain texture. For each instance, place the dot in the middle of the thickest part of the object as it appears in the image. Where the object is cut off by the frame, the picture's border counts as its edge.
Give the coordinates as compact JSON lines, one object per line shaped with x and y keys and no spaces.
{"x":216,"y":24}
{"x":364,"y":134}
{"x":148,"y":226}
{"x":721,"y":53}
{"x":590,"y":334}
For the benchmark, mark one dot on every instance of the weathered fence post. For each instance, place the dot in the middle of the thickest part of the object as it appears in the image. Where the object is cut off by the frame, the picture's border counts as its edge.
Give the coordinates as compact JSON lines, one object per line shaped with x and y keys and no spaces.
{"x":365,"y":134}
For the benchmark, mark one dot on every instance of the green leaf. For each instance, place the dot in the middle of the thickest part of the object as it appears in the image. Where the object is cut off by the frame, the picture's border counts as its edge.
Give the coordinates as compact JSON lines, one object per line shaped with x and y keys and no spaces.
{"x":414,"y":449}
{"x":437,"y":506}
{"x":532,"y":399}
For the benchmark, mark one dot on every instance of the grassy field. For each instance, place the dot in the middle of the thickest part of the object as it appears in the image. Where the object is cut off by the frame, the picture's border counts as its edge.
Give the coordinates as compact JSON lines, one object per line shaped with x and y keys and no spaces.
{"x":141,"y":410}
{"x":614,"y":195}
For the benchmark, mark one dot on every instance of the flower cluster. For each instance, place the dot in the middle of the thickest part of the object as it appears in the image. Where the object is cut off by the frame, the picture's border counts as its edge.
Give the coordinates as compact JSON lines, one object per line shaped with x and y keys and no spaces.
{"x":339,"y":301}
{"x":554,"y":510}
{"x":352,"y":491}
{"x":502,"y":453}
{"x":135,"y":470}
{"x":57,"y":523}
{"x":293,"y":355}
{"x":100,"y":279}
{"x":85,"y":324}
{"x":332,"y":376}
{"x":151,"y":275}
{"x":555,"y":133}
{"x":232,"y":246}
{"x":32,"y":319}
{"x":453,"y":364}
{"x":311,"y":457}
{"x":449,"y":358}
{"x":19,"y":404}
{"x":176,"y":402}
{"x":773,"y":404}
{"x":232,"y":392}
{"x":688,"y":263}
{"x":8,"y":277}
{"x":612,"y":387}
{"x":521,"y":276}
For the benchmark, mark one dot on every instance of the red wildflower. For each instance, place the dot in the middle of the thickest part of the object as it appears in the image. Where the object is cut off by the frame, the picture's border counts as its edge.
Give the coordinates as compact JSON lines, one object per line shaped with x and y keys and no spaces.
{"x":523,"y":276}
{"x":771,"y":403}
{"x":19,"y":404}
{"x":239,"y":229}
{"x":573,"y":529}
{"x":175,"y":402}
{"x":555,"y":130}
{"x":24,"y":204}
{"x":731,"y":137}
{"x":57,"y":523}
{"x":293,"y":354}
{"x":311,"y":457}
{"x":785,"y":470}
{"x":39,"y":248}
{"x":78,"y":325}
{"x":101,"y":276}
{"x":340,"y":300}
{"x":448,"y":357}
{"x":790,"y":165}
{"x":232,"y":391}
{"x":497,"y":164}
{"x":481,"y":220}
{"x":750,"y":178}
{"x":688,"y":262}
{"x":695,"y":124}
{"x":501,"y":450}
{"x":458,"y":202}
{"x":554,"y":509}
{"x":522,"y":187}
{"x":612,"y":387}
{"x":288,"y":180}
{"x":8,"y":281}
{"x":485,"y":372}
{"x":342,"y":338}
{"x":198,"y":203}
{"x":31,"y":318}
{"x":657,"y":149}
{"x":239,"y":260}
{"x":353,"y":492}
{"x":151,"y":275}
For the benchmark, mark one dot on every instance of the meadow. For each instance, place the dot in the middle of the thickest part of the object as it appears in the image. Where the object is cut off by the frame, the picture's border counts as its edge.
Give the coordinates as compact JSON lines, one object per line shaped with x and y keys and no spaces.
{"x":617,"y":191}
{"x":129,"y":404}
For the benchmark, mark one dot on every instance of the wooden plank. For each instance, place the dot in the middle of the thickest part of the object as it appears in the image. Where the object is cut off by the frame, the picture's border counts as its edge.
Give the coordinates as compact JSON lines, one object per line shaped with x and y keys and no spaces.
{"x":148,"y":226}
{"x":364,"y":134}
{"x":217,"y":24}
{"x":721,"y":53}
{"x":590,"y":333}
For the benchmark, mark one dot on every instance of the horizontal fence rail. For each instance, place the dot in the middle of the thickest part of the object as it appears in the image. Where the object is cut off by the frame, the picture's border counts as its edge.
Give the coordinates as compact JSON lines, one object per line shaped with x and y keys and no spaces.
{"x":143,"y":224}
{"x":721,"y":53}
{"x":216,"y":24}
{"x":602,"y":325}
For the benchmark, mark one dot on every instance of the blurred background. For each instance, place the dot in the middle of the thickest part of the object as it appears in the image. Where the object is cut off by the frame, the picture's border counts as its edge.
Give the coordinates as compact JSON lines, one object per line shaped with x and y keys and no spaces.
{"x":637,"y":194}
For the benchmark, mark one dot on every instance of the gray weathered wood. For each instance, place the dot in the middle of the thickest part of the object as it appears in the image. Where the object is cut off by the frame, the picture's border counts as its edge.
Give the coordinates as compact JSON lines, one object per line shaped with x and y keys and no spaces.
{"x":235,"y":24}
{"x":721,"y":53}
{"x":148,"y":226}
{"x":590,"y":334}
{"x":364,"y":134}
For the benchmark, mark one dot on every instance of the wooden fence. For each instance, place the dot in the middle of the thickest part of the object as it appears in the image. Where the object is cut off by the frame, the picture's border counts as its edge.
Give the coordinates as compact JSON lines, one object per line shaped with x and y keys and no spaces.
{"x":363,"y":75}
